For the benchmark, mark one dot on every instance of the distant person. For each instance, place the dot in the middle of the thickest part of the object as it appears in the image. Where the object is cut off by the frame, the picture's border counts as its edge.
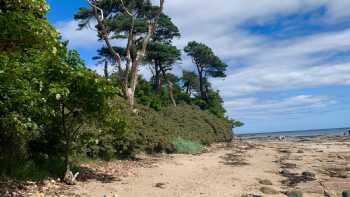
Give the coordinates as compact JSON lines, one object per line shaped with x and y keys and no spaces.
{"x":349,"y":132}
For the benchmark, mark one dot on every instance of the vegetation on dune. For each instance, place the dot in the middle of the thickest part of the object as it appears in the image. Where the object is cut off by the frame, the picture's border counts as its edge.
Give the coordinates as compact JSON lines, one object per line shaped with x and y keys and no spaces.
{"x":54,"y":110}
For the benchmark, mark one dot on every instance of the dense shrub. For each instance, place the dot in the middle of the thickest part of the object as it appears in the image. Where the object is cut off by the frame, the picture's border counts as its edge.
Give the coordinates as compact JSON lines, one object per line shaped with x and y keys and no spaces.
{"x":154,"y":131}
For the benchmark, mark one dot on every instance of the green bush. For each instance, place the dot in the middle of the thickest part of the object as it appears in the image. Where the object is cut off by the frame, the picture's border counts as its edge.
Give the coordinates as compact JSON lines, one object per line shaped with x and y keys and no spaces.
{"x":186,"y":146}
{"x":154,"y":131}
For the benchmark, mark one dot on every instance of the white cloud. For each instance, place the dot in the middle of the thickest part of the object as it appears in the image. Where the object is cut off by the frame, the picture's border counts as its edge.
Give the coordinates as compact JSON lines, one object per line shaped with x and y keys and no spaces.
{"x":257,"y":79}
{"x":253,"y":107}
{"x":268,"y":65}
{"x":85,"y":38}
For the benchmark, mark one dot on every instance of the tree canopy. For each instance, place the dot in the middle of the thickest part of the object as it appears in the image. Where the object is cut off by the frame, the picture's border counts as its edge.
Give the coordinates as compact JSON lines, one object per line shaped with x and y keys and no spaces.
{"x":207,"y":63}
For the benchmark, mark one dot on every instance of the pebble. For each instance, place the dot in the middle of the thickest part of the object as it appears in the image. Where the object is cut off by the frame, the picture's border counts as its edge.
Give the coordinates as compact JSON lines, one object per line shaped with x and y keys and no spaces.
{"x":160,"y":185}
{"x":295,"y":194}
{"x":309,"y":174}
{"x":290,"y":165}
{"x":265,"y":182}
{"x":268,"y":190}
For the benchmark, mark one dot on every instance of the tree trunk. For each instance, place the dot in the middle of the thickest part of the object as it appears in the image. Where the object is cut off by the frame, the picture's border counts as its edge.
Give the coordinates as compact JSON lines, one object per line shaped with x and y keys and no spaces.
{"x":188,"y":88}
{"x":206,"y":93}
{"x":170,"y":86}
{"x":157,"y":80}
{"x":201,"y":81}
{"x":106,"y":69}
{"x":66,"y":136}
{"x":128,"y":88}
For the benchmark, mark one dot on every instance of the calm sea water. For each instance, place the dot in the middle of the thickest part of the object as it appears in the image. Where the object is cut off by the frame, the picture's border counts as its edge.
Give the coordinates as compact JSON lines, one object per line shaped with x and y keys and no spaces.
{"x":306,"y":133}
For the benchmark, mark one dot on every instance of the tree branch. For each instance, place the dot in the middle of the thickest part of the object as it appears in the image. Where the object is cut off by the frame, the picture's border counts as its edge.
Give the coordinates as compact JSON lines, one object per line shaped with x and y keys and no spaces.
{"x":125,"y":9}
{"x":151,"y":29}
{"x":104,"y":33}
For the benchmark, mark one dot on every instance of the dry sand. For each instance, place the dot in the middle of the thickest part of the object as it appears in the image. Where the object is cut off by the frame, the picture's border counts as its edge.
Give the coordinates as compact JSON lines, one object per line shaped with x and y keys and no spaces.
{"x":228,"y":170}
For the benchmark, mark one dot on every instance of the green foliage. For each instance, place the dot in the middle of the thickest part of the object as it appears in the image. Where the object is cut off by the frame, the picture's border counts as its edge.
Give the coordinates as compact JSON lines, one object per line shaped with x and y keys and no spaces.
{"x":53,"y":108}
{"x":23,"y":26}
{"x":27,"y":42}
{"x":237,"y":123}
{"x":205,"y":59}
{"x":46,"y":94}
{"x":153,"y":131}
{"x":190,"y":82}
{"x":118,"y":22}
{"x":163,"y":53}
{"x":186,"y":146}
{"x":208,"y":65}
{"x":166,"y":30}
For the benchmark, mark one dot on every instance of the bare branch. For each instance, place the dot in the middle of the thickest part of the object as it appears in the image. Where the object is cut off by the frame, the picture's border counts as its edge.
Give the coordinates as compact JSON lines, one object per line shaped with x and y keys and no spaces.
{"x":104,"y":33}
{"x":151,"y":29}
{"x":91,"y":3}
{"x":125,"y":9}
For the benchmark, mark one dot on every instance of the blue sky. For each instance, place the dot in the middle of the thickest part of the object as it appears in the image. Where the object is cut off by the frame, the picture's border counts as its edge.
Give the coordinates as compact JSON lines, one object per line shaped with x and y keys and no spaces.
{"x":289,"y":61}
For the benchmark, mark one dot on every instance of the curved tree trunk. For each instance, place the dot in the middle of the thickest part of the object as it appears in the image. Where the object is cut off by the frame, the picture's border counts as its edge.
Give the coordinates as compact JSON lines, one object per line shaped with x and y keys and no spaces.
{"x":170,"y":86}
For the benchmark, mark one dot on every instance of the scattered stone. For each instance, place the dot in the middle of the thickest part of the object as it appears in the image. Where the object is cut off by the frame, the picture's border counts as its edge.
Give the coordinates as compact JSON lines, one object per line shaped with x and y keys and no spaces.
{"x":284,"y":172}
{"x":339,"y":173}
{"x":294,"y":178}
{"x":160,"y":185}
{"x":295,"y":194}
{"x":300,"y":151}
{"x":265,"y":182}
{"x":268,"y":190}
{"x":285,"y":151}
{"x":309,"y":174}
{"x":346,"y":193}
{"x":341,"y":157}
{"x":289,"y":165}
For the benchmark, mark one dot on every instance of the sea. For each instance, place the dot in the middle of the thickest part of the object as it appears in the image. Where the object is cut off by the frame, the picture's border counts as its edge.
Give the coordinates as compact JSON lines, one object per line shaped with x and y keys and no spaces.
{"x":304,"y":133}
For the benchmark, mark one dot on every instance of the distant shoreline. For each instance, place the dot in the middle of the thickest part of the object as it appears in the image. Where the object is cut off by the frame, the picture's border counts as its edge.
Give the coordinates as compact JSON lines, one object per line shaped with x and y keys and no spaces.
{"x":304,"y":133}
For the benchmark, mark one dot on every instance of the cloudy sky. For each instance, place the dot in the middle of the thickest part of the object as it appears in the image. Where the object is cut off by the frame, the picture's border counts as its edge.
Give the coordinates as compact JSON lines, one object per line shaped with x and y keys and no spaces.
{"x":289,"y":60}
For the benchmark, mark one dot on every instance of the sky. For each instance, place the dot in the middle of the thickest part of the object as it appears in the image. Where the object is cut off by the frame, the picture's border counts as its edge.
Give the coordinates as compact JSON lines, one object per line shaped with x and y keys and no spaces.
{"x":289,"y":60}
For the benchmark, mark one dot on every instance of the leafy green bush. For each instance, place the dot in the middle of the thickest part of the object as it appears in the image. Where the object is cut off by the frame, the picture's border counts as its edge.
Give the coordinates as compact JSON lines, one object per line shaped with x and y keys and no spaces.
{"x":186,"y":146}
{"x":153,"y":131}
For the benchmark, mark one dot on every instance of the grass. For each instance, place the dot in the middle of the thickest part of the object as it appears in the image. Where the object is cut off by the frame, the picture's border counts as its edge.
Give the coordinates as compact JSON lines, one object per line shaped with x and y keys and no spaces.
{"x":186,"y":146}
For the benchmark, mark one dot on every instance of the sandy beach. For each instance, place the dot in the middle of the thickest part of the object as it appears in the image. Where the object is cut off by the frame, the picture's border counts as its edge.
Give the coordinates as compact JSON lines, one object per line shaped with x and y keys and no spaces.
{"x":255,"y":167}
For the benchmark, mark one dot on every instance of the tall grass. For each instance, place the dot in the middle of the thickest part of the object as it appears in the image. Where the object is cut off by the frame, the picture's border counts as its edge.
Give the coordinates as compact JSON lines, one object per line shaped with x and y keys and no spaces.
{"x":186,"y":146}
